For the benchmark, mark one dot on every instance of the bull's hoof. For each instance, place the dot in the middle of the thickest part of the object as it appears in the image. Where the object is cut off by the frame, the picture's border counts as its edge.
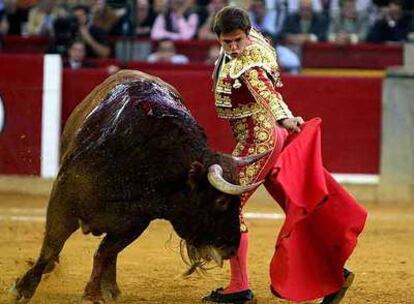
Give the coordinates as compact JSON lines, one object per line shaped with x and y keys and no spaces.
{"x":111,"y":291}
{"x":91,"y":300}
{"x":16,"y":297}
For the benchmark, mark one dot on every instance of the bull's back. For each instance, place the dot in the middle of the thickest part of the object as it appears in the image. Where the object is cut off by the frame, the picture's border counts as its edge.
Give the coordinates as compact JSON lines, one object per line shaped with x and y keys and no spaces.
{"x":93,"y":100}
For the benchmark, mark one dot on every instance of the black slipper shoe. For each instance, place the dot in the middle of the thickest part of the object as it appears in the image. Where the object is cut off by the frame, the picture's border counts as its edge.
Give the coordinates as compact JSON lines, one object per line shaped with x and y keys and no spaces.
{"x":336,"y":297}
{"x":242,"y":297}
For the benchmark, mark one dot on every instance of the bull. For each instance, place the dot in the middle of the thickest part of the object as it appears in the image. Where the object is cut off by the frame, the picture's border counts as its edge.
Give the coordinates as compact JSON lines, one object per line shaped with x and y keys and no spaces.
{"x":131,"y":152}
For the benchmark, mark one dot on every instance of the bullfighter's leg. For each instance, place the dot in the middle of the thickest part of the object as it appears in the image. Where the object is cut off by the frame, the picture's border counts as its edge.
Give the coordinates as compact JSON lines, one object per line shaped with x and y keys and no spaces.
{"x":104,"y":263}
{"x":60,"y":224}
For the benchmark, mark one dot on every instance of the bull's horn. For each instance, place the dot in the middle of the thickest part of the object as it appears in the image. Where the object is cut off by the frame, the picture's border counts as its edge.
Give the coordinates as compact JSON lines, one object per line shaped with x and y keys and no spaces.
{"x":247,"y":160}
{"x":216,"y":179}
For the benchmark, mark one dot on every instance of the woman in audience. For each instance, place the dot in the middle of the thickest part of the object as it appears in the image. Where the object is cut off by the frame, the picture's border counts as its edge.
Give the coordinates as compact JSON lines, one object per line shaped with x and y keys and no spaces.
{"x":177,"y":23}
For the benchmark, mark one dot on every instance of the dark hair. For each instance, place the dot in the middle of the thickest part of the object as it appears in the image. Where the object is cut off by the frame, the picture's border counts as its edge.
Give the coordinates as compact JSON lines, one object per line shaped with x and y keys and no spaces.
{"x":81,"y":7}
{"x":231,"y":18}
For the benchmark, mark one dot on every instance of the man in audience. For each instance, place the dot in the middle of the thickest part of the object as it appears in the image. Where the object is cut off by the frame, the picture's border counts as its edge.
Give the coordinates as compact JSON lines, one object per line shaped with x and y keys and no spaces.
{"x":77,"y":26}
{"x":304,"y":26}
{"x":350,"y":26}
{"x":77,"y":56}
{"x":166,"y":53}
{"x":268,"y":22}
{"x":393,"y":26}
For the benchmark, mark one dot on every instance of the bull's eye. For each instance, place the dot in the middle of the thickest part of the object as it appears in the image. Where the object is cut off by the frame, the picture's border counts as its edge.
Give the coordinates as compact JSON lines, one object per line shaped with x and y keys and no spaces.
{"x":222,"y":203}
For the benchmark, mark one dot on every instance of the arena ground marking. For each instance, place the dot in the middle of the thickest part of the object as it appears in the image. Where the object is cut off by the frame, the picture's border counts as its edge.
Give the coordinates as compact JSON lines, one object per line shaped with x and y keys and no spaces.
{"x":33,"y":215}
{"x":357,"y":179}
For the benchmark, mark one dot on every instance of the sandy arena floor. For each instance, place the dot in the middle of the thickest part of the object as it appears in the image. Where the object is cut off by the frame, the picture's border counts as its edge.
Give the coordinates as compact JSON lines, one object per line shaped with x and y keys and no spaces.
{"x":149,"y":270}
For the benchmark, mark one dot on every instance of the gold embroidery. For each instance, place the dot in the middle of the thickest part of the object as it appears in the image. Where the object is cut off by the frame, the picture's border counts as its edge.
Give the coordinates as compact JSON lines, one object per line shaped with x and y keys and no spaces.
{"x":239,"y":112}
{"x":259,"y":54}
{"x":257,"y":138}
{"x":270,"y":100}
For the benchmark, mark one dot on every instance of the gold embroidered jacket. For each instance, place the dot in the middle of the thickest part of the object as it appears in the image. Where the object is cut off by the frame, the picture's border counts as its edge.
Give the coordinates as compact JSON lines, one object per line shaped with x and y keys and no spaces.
{"x":245,"y":93}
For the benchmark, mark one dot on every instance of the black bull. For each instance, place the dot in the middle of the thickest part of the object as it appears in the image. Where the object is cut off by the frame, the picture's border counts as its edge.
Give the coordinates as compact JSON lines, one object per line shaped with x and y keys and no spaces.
{"x":132,"y":153}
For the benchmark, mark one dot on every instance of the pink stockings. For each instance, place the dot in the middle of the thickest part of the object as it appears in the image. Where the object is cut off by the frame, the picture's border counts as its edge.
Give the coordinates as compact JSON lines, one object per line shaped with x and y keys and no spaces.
{"x":238,"y":267}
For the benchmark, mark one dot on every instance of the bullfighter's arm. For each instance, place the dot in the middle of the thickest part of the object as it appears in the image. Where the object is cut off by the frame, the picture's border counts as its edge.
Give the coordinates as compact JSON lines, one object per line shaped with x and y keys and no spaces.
{"x":265,"y":94}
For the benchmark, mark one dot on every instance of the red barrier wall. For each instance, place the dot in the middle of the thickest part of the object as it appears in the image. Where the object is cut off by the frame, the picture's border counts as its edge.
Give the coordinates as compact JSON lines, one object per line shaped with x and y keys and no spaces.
{"x":21,"y":93}
{"x":348,"y":106}
{"x":359,"y":56}
{"x":315,"y":55}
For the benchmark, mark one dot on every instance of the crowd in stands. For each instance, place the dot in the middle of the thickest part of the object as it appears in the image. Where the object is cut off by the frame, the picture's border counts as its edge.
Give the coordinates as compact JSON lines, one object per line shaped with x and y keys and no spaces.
{"x":88,"y":28}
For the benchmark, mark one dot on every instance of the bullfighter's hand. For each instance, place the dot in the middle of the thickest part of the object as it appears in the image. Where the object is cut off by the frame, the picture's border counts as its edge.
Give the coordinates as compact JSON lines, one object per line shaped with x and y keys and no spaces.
{"x":292,"y":124}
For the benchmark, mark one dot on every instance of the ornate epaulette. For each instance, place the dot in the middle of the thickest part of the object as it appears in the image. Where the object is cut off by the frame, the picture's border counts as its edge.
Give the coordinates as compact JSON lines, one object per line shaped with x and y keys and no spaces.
{"x":256,"y":55}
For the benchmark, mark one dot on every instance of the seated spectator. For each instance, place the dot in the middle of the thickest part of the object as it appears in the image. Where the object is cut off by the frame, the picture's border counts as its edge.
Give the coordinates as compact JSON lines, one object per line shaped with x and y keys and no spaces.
{"x":268,"y":22}
{"x":103,"y":16}
{"x":17,"y":15}
{"x":145,"y":18}
{"x":293,"y":6}
{"x":4,"y":24}
{"x":166,"y":53}
{"x":205,"y":32}
{"x":41,"y":18}
{"x":139,"y":24}
{"x":77,"y":56}
{"x":77,"y":59}
{"x":304,"y":26}
{"x":362,"y":6}
{"x":393,"y":26}
{"x":288,"y":60}
{"x":177,"y":23}
{"x":213,"y":54}
{"x":78,"y":27}
{"x":350,"y":26}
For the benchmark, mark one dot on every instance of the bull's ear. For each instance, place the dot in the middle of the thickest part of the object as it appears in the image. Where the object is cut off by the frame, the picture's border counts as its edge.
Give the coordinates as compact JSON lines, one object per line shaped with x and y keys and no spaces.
{"x":195,"y":174}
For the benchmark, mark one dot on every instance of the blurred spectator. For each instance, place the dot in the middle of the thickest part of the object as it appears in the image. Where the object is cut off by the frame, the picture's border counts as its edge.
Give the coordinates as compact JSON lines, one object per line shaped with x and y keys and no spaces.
{"x":17,"y":15}
{"x":78,"y":27}
{"x":41,"y":18}
{"x":103,"y":16}
{"x":406,"y":4}
{"x":145,"y":18}
{"x":268,"y":22}
{"x":393,"y":26}
{"x":177,"y":23}
{"x":205,"y":32}
{"x":350,"y":26}
{"x":304,"y":26}
{"x":166,"y":53}
{"x":4,"y":24}
{"x":293,"y":6}
{"x":213,"y":54}
{"x":142,"y":20}
{"x":77,"y":56}
{"x":366,"y":7}
{"x":288,"y":60}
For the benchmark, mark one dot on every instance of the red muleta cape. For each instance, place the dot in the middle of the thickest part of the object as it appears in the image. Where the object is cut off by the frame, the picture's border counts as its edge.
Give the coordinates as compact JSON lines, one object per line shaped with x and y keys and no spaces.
{"x":322,"y":220}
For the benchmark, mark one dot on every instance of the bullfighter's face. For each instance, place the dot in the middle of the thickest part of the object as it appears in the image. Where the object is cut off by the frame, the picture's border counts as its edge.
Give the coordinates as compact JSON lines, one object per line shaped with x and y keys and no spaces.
{"x":234,"y":43}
